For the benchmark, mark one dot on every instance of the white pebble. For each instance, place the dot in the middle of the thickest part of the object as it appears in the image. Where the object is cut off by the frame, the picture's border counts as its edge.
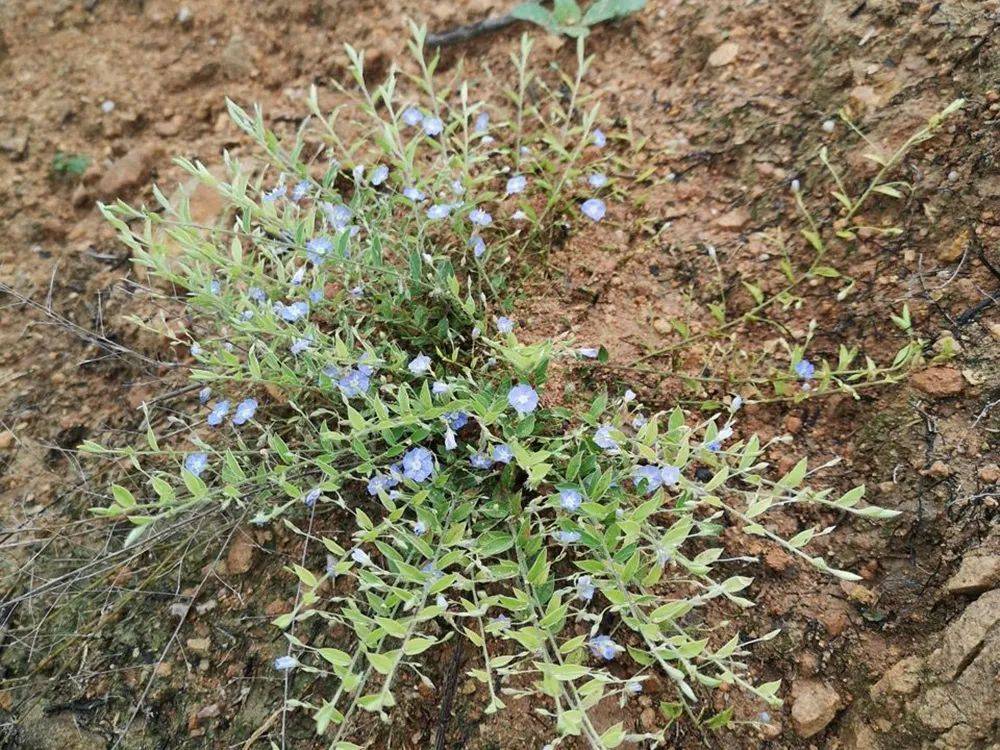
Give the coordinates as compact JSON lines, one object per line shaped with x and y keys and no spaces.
{"x":107,"y":106}
{"x":952,"y":175}
{"x":828,"y":126}
{"x":183,"y":15}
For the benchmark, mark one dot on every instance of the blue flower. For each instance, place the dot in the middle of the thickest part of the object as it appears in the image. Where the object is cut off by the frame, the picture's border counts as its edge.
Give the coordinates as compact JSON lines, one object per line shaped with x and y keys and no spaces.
{"x":317,"y":249}
{"x":419,"y":528}
{"x":298,"y":276}
{"x":594,"y":209}
{"x":418,"y":464}
{"x":412,"y":116}
{"x":585,"y":588}
{"x":273,"y":195}
{"x":316,"y":296}
{"x":413,"y":194}
{"x":600,"y":140}
{"x":639,"y":421}
{"x":589,"y":352}
{"x":480,"y":218}
{"x":457,"y":187}
{"x":256,"y":294}
{"x":419,"y":364}
{"x":440,"y":387}
{"x":218,"y":413}
{"x":431,"y":572}
{"x":205,"y":394}
{"x":379,"y":175}
{"x":480,"y":461}
{"x":670,"y":475}
{"x":301,"y":190}
{"x":214,"y":287}
{"x":383,"y":482}
{"x":438,"y":211}
{"x":523,"y":398}
{"x":482,"y":122}
{"x":246,"y":316}
{"x":603,"y":647}
{"x":300,"y":345}
{"x":293,"y":312}
{"x":357,"y":292}
{"x":715,"y":446}
{"x":196,"y":463}
{"x":604,"y":439}
{"x":505,"y":324}
{"x":432,"y":125}
{"x":568,"y":537}
{"x":312,"y":496}
{"x":648,"y":474}
{"x":355,"y":382}
{"x":516,"y":184}
{"x":478,"y":245}
{"x":805,"y":369}
{"x":244,"y":411}
{"x":338,"y":216}
{"x":360,"y":556}
{"x":634,"y":687}
{"x":456,"y":419}
{"x":502,"y":454}
{"x":285,"y":663}
{"x":597,"y":180}
{"x":570,"y":500}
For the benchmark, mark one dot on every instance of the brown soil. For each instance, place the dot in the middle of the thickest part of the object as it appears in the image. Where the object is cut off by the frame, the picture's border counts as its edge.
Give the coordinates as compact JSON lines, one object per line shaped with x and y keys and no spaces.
{"x":727,"y":100}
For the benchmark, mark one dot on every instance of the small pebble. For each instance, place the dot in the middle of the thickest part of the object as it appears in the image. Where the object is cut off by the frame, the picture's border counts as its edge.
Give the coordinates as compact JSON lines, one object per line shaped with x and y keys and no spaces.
{"x":828,"y":126}
{"x":108,"y":106}
{"x":952,"y":176}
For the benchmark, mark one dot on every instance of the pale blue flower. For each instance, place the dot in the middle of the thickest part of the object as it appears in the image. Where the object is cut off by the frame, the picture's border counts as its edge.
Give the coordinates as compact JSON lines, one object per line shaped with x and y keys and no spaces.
{"x":432,"y":125}
{"x":301,"y":190}
{"x":585,"y":588}
{"x":381,"y":482}
{"x":523,"y":398}
{"x":293,"y":312}
{"x":205,"y":394}
{"x":597,"y":180}
{"x":715,"y":446}
{"x":196,"y":349}
{"x":604,"y":438}
{"x":805,"y":369}
{"x":358,"y":172}
{"x":285,"y":663}
{"x":275,"y":194}
{"x":670,"y":475}
{"x":502,"y":454}
{"x":218,"y":413}
{"x":312,"y":496}
{"x":300,"y":345}
{"x":317,"y":249}
{"x":456,"y":419}
{"x":629,"y":396}
{"x":519,"y":215}
{"x":379,"y":175}
{"x":633,"y":686}
{"x":298,"y":277}
{"x":316,"y":296}
{"x":256,"y":294}
{"x":419,"y":528}
{"x":357,"y":292}
{"x":196,"y":463}
{"x":432,"y":572}
{"x":360,"y":556}
{"x":603,"y":647}
{"x":648,"y":474}
{"x":478,"y":245}
{"x":214,"y":287}
{"x":244,"y":411}
{"x":354,"y":382}
{"x":440,"y":387}
{"x":419,"y":364}
{"x":600,"y":140}
{"x":568,"y":537}
{"x":594,"y":209}
{"x":589,"y":352}
{"x":480,"y":218}
{"x":413,"y":194}
{"x":246,"y":316}
{"x":412,"y":116}
{"x":639,"y":421}
{"x":438,"y":211}
{"x":457,"y":187}
{"x":736,"y":404}
{"x":480,"y":461}
{"x":450,"y":443}
{"x":418,"y":464}
{"x":570,"y":500}
{"x":338,"y":216}
{"x":505,"y":324}
{"x":482,"y":122}
{"x":516,"y":184}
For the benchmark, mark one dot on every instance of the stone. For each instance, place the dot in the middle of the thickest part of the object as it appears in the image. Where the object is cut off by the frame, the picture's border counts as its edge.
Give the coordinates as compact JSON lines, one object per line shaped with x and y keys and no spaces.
{"x":735,"y":219}
{"x":724,"y":54}
{"x":990,"y":474}
{"x":128,"y":172}
{"x":964,"y":638}
{"x":199,"y":645}
{"x":938,"y":382}
{"x":6,"y":440}
{"x":902,"y":678}
{"x":814,"y":706}
{"x":239,"y":559}
{"x":976,"y":574}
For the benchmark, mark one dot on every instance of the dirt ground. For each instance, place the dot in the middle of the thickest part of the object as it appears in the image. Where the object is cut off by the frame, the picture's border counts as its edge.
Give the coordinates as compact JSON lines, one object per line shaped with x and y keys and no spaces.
{"x":728,"y":100}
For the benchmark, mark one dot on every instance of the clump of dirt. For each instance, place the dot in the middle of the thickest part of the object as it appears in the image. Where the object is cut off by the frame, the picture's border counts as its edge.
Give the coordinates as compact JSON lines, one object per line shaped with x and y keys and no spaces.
{"x":713,"y":110}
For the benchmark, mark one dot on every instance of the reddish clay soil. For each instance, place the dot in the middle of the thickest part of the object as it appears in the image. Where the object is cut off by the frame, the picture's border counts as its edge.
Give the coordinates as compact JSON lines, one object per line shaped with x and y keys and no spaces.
{"x":713,"y":109}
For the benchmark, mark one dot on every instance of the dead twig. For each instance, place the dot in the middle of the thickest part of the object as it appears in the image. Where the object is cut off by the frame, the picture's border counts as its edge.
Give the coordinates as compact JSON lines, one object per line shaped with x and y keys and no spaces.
{"x":470,"y":31}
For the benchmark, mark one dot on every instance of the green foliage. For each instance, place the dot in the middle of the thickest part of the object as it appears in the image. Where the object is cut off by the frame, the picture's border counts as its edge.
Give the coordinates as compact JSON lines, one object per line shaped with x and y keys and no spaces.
{"x":69,"y":165}
{"x":553,"y":538}
{"x":566,"y":17}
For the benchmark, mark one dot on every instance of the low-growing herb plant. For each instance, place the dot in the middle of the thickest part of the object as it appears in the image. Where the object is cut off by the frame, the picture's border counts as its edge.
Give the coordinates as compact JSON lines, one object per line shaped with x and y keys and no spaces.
{"x":568,"y":19}
{"x":69,"y":165}
{"x":362,"y":384}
